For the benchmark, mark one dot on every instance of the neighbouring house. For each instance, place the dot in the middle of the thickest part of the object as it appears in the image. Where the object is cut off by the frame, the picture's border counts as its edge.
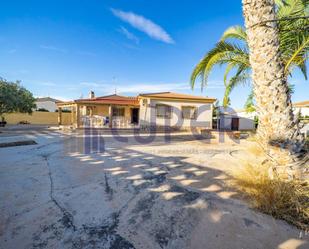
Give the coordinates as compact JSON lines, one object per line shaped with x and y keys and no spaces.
{"x":47,"y":103}
{"x":145,"y":111}
{"x":235,"y":120}
{"x":302,"y":108}
{"x":230,"y":119}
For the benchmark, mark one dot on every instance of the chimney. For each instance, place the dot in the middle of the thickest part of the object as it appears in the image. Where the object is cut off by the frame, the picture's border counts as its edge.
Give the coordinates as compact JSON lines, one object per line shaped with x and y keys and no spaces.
{"x":91,"y":95}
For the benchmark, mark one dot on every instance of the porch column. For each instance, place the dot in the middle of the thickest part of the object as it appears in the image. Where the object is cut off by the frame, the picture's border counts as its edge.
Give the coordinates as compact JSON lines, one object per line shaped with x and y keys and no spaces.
{"x":77,"y":116}
{"x":59,"y":115}
{"x":110,"y":114}
{"x":72,"y":115}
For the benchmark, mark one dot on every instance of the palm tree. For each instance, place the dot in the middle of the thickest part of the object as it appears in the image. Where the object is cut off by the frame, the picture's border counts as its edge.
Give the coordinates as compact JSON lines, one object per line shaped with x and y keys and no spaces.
{"x":232,"y":49}
{"x":278,"y":130}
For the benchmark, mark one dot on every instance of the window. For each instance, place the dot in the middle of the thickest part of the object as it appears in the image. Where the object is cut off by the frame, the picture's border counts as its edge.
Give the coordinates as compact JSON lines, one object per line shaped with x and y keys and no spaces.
{"x":118,"y":111}
{"x":163,"y":111}
{"x":188,"y":112}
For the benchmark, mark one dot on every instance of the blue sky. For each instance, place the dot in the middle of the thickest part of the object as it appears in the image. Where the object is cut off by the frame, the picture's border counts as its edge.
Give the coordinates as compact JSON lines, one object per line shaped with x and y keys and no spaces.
{"x":64,"y":49}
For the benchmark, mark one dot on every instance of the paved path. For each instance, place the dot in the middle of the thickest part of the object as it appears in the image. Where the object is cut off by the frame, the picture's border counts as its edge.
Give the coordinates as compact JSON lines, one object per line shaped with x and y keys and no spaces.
{"x":131,"y":195}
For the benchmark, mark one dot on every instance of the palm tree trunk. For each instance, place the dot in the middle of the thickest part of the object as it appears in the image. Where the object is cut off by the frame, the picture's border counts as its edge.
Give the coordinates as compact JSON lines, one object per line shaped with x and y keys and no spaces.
{"x":278,"y":131}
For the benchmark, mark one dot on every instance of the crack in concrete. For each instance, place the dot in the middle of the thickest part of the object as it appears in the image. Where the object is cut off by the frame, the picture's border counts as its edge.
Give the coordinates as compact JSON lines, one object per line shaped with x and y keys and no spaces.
{"x":99,"y":235}
{"x":108,"y":190}
{"x":67,"y":218}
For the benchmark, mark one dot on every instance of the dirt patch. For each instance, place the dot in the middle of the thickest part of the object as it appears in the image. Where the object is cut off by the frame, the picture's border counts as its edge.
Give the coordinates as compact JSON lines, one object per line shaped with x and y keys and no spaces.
{"x":100,"y":236}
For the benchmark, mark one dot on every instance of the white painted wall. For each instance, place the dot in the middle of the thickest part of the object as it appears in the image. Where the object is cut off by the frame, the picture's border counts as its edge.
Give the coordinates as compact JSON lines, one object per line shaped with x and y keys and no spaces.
{"x":244,"y":123}
{"x":148,"y":114}
{"x":48,"y":105}
{"x":303,"y":110}
{"x":225,"y":122}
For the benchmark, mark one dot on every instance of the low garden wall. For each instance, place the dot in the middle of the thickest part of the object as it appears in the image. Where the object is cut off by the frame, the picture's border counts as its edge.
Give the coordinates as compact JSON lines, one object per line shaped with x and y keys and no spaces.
{"x":48,"y":118}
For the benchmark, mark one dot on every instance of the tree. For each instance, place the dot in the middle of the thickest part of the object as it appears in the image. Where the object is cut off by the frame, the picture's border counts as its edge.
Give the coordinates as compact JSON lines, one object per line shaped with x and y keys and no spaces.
{"x":278,"y":130}
{"x":232,"y":49}
{"x":15,"y":98}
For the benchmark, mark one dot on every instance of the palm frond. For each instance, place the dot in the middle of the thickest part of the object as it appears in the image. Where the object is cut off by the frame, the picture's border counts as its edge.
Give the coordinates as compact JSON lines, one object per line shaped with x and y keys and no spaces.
{"x":249,"y":105}
{"x":241,"y":77}
{"x":222,"y":53}
{"x":234,"y":32}
{"x":299,"y":51}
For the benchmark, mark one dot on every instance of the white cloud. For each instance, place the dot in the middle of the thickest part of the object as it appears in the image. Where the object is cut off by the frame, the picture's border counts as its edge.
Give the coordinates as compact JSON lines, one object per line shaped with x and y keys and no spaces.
{"x":145,"y":25}
{"x":53,"y":48}
{"x":128,"y":34}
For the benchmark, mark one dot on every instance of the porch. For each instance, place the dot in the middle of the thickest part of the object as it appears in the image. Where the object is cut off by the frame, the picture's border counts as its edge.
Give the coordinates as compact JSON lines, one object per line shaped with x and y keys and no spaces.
{"x":104,"y":112}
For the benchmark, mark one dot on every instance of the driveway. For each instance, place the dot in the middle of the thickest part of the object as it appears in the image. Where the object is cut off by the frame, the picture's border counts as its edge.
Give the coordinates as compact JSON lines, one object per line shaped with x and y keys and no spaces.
{"x":68,"y":192}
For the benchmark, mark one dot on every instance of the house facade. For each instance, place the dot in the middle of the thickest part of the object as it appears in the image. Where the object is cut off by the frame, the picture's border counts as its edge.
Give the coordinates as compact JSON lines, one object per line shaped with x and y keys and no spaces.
{"x":230,"y":119}
{"x":235,"y":120}
{"x":46,"y":103}
{"x":145,"y":111}
{"x":301,"y":108}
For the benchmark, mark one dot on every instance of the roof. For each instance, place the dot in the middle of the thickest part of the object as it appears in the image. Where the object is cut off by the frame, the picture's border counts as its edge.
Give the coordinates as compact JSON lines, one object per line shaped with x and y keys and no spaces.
{"x":172,"y":95}
{"x":110,"y":99}
{"x":301,"y":104}
{"x":43,"y":99}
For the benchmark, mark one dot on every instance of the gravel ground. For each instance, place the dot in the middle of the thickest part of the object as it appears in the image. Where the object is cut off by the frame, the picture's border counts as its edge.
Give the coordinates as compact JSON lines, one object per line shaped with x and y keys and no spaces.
{"x":70,"y":192}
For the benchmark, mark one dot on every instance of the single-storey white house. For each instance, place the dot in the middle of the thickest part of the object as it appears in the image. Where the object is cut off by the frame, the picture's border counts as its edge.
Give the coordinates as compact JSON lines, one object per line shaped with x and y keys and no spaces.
{"x":145,"y":111}
{"x":230,"y":119}
{"x":302,"y":108}
{"x":46,"y":103}
{"x":235,"y":120}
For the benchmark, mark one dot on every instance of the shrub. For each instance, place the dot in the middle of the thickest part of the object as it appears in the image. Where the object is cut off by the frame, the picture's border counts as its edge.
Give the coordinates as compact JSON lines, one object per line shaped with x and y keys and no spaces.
{"x":287,"y":200}
{"x":42,"y":110}
{"x":64,"y":110}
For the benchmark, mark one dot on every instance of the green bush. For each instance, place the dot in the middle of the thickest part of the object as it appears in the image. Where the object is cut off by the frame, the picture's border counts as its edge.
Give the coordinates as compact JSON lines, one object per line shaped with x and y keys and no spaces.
{"x":42,"y":110}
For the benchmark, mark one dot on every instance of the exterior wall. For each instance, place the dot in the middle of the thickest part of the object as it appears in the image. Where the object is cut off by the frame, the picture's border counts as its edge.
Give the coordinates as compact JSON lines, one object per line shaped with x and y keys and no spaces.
{"x":44,"y":118}
{"x":303,"y":110}
{"x":101,"y":110}
{"x":244,"y":114}
{"x":225,"y":122}
{"x":48,"y":105}
{"x":244,"y":123}
{"x":148,"y":114}
{"x":305,"y":130}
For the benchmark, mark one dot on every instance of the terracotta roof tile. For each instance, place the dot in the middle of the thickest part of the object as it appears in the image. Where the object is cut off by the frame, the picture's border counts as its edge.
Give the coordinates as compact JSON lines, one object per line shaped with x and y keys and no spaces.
{"x":301,"y":104}
{"x":171,"y":95}
{"x":111,"y":99}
